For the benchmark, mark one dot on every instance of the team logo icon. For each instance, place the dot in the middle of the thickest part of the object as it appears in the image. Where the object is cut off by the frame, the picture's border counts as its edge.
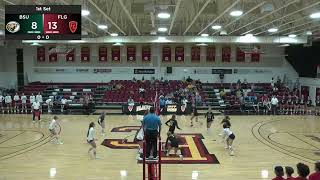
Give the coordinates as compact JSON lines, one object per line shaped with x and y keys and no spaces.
{"x":130,"y":108}
{"x":183,"y":108}
{"x":73,"y":25}
{"x":13,"y":26}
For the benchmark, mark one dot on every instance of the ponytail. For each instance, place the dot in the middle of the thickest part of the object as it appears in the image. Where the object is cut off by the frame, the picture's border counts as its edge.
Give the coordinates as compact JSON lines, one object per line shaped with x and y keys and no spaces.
{"x":90,"y":126}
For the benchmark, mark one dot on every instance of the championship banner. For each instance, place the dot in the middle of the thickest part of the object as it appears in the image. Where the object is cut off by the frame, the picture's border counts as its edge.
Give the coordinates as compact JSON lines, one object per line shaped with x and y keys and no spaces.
{"x":70,"y":56}
{"x":131,"y":53}
{"x":53,"y":57}
{"x":85,"y":54}
{"x":226,"y":54}
{"x":146,"y":53}
{"x":317,"y":91}
{"x":103,"y":54}
{"x":41,"y":54}
{"x":255,"y":57}
{"x":240,"y":55}
{"x":166,"y":54}
{"x":179,"y":54}
{"x":115,"y":53}
{"x":195,"y":53}
{"x":211,"y":54}
{"x":305,"y":91}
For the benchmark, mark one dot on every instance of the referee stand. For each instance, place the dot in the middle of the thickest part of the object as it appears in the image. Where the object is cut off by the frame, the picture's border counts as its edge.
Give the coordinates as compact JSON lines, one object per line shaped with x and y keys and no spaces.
{"x":152,"y":167}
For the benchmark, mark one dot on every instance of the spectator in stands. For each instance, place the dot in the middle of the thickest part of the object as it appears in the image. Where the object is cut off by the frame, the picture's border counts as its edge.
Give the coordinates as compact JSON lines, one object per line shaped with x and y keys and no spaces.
{"x":130,"y":101}
{"x":16,"y":99}
{"x":189,"y":80}
{"x":221,"y":76}
{"x":303,"y":171}
{"x":278,"y":171}
{"x":152,"y":127}
{"x":162,"y":102}
{"x":245,"y":84}
{"x":63,"y":104}
{"x":134,"y":80}
{"x":8,"y":101}
{"x":315,"y":175}
{"x":272,"y":82}
{"x":142,"y":79}
{"x":239,"y":82}
{"x":169,"y":101}
{"x":253,"y":87}
{"x":222,"y":94}
{"x":49,"y":103}
{"x":289,"y":172}
{"x":274,"y":104}
{"x":142,"y":91}
{"x":1,"y":103}
{"x":118,"y":86}
{"x":198,"y":99}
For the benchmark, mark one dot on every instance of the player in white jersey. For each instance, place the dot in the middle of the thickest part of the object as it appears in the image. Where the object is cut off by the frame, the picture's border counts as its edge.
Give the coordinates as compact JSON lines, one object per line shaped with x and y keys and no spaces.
{"x":1,"y":103}
{"x":8,"y":101}
{"x":63,"y":103}
{"x":32,"y":99}
{"x":49,"y":103}
{"x":24,"y":103}
{"x":55,"y":129}
{"x":36,"y":110}
{"x":40,"y":100}
{"x":91,"y":140}
{"x":16,"y":99}
{"x":229,"y":138}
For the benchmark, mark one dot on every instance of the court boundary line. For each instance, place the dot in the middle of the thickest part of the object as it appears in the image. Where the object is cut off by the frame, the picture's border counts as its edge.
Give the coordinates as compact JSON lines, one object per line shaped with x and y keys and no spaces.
{"x":23,"y":131}
{"x":42,"y":135}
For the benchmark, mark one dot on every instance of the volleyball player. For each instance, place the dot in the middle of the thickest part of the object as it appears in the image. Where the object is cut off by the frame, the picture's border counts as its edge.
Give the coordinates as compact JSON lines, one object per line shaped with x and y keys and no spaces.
{"x":32,"y":99}
{"x":54,"y":131}
{"x":23,"y":103}
{"x":210,"y":117}
{"x":296,"y":105}
{"x":16,"y":100}
{"x":91,"y":140}
{"x":1,"y":103}
{"x":35,"y":110}
{"x":40,"y":100}
{"x":173,"y":143}
{"x":309,"y":105}
{"x":194,"y":111}
{"x":318,"y":105}
{"x":173,"y":124}
{"x":282,"y":105}
{"x":101,"y":122}
{"x":8,"y":101}
{"x":289,"y":105}
{"x":229,"y":137}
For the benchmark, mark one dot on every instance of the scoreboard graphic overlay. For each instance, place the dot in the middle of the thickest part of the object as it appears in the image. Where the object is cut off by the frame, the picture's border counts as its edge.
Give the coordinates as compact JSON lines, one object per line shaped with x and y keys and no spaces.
{"x":43,"y":22}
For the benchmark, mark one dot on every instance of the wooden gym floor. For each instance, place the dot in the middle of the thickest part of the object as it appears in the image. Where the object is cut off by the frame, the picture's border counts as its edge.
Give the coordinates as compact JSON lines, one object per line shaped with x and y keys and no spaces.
{"x":261,"y":143}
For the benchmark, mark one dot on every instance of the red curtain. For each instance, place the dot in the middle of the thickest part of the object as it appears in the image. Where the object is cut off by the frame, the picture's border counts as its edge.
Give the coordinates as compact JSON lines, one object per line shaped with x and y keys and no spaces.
{"x":41,"y":54}
{"x":241,"y":56}
{"x":85,"y":54}
{"x":226,"y":54}
{"x":146,"y":53}
{"x":211,"y":54}
{"x":103,"y":54}
{"x":179,"y":54}
{"x":53,"y":57}
{"x":131,"y":53}
{"x":195,"y":54}
{"x":70,"y":56}
{"x":115,"y":53}
{"x":166,"y":54}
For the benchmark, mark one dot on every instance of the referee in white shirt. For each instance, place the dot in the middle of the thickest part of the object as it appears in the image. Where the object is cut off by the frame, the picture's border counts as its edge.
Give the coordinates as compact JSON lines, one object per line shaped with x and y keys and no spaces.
{"x":274,"y":104}
{"x":36,"y":110}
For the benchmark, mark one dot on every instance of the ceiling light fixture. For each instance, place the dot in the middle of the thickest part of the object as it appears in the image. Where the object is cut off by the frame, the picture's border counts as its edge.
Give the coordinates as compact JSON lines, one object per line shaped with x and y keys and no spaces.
{"x":315,"y":15}
{"x":102,"y":26}
{"x":162,"y":29}
{"x":292,"y":35}
{"x":163,"y":15}
{"x":236,"y":13}
{"x":309,"y":33}
{"x":204,"y":35}
{"x":272,"y":30}
{"x":216,"y":27}
{"x":85,"y":12}
{"x":114,"y":34}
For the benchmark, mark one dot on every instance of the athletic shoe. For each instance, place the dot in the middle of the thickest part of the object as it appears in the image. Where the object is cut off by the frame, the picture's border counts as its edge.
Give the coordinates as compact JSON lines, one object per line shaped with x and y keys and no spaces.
{"x":181,"y":157}
{"x":231,"y":153}
{"x":60,"y":143}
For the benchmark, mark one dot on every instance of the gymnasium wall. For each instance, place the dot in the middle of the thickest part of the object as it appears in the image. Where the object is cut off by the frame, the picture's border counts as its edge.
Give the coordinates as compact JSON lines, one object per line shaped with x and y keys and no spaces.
{"x":272,"y":64}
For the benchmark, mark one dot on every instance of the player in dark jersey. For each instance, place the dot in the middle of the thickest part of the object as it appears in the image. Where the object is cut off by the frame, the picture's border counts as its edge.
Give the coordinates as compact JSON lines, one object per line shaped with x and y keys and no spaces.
{"x":302,"y":104}
{"x":172,"y":123}
{"x":289,"y":105}
{"x":173,"y":143}
{"x":282,"y":105}
{"x":101,"y":122}
{"x":296,"y":105}
{"x":210,"y":117}
{"x":194,"y":114}
{"x":309,"y":105}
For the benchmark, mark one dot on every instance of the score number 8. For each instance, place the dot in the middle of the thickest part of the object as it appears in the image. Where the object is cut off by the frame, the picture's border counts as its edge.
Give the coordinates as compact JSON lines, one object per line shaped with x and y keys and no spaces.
{"x":52,"y":25}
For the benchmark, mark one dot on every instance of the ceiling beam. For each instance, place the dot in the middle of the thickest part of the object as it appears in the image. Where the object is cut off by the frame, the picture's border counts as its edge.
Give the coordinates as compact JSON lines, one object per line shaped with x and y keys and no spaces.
{"x":304,"y":29}
{"x":262,"y":17}
{"x":282,"y":17}
{"x":196,"y":16}
{"x":246,"y":13}
{"x":220,"y":15}
{"x":129,"y":16}
{"x":106,"y":16}
{"x":292,"y":27}
{"x":11,"y":3}
{"x":176,"y":9}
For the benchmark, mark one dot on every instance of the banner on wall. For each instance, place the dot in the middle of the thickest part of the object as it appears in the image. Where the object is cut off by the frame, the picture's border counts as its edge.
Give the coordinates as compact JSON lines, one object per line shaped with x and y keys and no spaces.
{"x":131,"y":53}
{"x":70,"y":56}
{"x":115,"y":53}
{"x":72,"y":70}
{"x":144,"y":71}
{"x":146,"y":53}
{"x":41,"y":54}
{"x":255,"y":57}
{"x":103,"y":54}
{"x":85,"y":54}
{"x":240,"y":55}
{"x":211,"y":54}
{"x":53,"y":56}
{"x":195,"y":54}
{"x":226,"y":54}
{"x":305,"y":91}
{"x":221,"y":71}
{"x":179,"y":54}
{"x":317,"y":91}
{"x":166,"y":54}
